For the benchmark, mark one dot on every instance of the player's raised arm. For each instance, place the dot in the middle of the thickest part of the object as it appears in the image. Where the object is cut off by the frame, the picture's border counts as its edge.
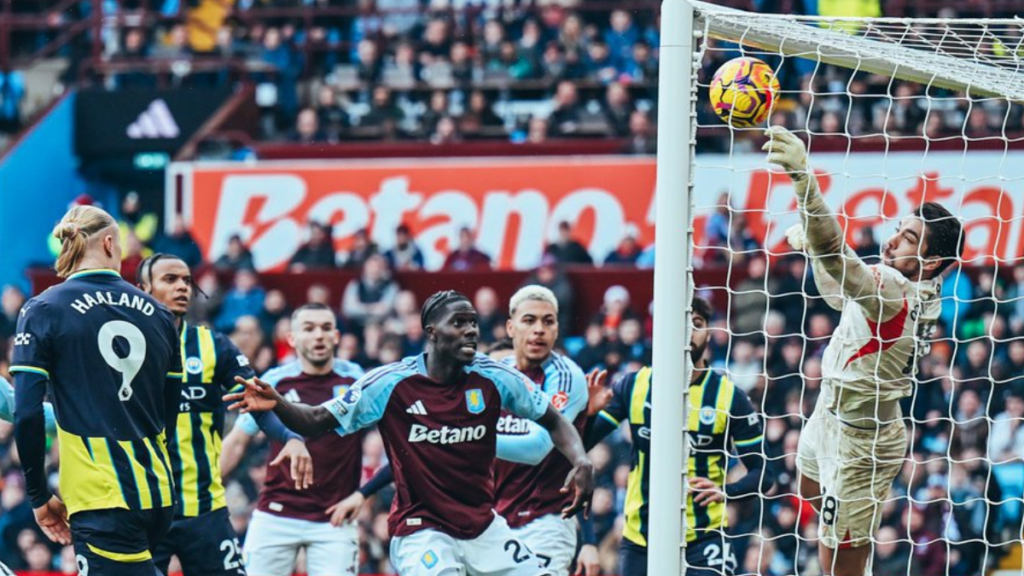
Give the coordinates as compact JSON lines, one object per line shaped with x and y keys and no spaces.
{"x":258,"y":396}
{"x":823,"y":237}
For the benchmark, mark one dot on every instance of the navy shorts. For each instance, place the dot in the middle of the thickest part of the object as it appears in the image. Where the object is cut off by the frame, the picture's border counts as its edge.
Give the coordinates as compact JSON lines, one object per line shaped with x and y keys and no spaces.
{"x":206,"y":545}
{"x":118,"y":542}
{"x":710,"y":555}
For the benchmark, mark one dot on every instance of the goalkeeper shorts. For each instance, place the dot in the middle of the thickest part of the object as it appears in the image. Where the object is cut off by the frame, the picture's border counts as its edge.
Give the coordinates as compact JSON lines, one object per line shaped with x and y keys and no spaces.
{"x":855,"y":468}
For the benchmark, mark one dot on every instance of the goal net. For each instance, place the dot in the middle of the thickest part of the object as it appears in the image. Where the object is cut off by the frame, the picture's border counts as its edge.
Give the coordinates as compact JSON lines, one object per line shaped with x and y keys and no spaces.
{"x":894,"y":113}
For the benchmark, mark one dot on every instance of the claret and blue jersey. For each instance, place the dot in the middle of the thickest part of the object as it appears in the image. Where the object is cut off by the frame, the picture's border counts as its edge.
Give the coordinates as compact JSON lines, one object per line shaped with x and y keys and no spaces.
{"x":440,"y":438}
{"x":530,"y":474}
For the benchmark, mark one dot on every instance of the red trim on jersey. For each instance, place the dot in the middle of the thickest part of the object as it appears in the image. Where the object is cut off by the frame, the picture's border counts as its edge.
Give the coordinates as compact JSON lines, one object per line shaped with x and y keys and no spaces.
{"x":847,"y":542}
{"x":884,"y":334}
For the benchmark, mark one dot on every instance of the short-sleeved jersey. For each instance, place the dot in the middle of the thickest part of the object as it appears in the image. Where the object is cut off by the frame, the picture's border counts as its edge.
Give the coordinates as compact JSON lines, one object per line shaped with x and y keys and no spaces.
{"x":108,"y":350}
{"x":211,"y":363}
{"x":873,"y":355}
{"x":337,"y":460}
{"x":440,"y":438}
{"x":720,"y":413}
{"x":524,"y":493}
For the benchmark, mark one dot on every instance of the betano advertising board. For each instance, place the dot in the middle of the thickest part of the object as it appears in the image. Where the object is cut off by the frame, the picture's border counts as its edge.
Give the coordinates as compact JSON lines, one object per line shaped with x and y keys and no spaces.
{"x":516,"y":204}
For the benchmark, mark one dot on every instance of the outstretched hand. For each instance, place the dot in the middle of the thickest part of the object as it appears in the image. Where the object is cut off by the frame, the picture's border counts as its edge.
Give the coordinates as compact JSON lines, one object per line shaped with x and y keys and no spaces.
{"x":257,"y":396}
{"x":787,"y":151}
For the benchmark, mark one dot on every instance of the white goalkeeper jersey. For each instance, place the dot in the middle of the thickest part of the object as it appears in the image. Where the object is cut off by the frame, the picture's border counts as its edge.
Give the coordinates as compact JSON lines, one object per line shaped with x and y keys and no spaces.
{"x":886,"y":325}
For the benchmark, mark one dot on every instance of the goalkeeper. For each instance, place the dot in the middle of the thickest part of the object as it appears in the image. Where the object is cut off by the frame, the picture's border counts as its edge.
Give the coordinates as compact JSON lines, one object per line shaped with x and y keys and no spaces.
{"x":721,"y":415}
{"x":854,"y":444}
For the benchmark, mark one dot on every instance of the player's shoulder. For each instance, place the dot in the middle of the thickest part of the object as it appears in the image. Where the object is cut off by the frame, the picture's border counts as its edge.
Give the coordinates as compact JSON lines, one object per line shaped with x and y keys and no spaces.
{"x":38,"y":305}
{"x":390,"y":374}
{"x":725,"y":388}
{"x":494,"y":370}
{"x":563,"y":374}
{"x":887,"y":276}
{"x":275,"y":376}
{"x":223,"y":346}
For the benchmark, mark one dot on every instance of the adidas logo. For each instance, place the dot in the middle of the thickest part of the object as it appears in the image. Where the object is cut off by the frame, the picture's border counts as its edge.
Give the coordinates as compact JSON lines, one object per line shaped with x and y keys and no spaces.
{"x":417,"y":409}
{"x":155,"y":121}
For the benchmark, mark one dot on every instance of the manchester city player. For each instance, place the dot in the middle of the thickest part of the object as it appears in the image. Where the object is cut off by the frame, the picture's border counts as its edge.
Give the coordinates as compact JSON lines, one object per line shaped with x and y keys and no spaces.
{"x":721,"y":415}
{"x":110,"y":357}
{"x":202,"y":536}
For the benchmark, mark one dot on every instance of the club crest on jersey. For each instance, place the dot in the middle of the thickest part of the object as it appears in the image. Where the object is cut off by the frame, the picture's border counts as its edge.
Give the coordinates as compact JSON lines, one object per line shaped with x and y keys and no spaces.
{"x":340,"y":390}
{"x":430,"y":559}
{"x":707,"y":415}
{"x":193,"y":365}
{"x":352,"y":395}
{"x":560,"y":400}
{"x":475,"y":401}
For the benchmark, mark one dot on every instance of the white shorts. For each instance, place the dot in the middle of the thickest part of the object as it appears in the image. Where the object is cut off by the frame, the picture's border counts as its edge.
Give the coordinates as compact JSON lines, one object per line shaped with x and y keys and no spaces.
{"x":496,"y":552}
{"x":855,"y":468}
{"x":272,"y":545}
{"x":552,"y":539}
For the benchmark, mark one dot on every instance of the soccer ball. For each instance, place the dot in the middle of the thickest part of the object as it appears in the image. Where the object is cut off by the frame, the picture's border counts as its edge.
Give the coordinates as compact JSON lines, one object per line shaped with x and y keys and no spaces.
{"x":743,"y":92}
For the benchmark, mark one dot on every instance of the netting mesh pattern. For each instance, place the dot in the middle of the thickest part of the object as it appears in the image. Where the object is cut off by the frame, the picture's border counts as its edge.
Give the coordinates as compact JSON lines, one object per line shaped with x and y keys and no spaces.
{"x":879,"y":146}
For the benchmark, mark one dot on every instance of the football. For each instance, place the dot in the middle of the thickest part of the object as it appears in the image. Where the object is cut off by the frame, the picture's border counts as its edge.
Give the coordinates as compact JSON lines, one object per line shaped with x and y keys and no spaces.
{"x":743,"y":92}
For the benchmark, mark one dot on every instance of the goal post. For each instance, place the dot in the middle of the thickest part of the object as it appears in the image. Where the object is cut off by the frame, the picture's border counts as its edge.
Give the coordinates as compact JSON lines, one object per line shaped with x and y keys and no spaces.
{"x":955,"y":67}
{"x":673,"y":288}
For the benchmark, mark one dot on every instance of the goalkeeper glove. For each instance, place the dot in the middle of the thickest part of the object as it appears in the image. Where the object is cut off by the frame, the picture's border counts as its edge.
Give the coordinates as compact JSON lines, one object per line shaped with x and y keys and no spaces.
{"x":786,"y":150}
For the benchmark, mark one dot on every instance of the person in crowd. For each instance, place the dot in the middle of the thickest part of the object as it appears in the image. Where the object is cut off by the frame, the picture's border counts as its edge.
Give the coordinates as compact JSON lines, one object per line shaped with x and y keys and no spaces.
{"x":318,"y":251}
{"x":405,"y":254}
{"x":466,"y":257}
{"x":371,"y":297}
{"x":180,"y":243}
{"x":245,"y":298}
{"x":566,"y":249}
{"x":235,"y":257}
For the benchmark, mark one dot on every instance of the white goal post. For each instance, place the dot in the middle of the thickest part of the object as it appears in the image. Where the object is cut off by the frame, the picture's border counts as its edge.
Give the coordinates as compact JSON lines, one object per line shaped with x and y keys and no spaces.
{"x":977,"y":58}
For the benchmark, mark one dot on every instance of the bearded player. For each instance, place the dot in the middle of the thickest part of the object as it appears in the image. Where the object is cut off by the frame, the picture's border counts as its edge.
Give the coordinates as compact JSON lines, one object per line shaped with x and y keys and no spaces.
{"x":287,"y":519}
{"x":438,"y":416}
{"x":855,"y":441}
{"x":721,"y":420}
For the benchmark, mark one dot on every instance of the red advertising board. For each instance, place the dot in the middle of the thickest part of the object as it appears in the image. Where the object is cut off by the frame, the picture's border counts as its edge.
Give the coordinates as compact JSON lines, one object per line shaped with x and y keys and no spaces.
{"x":515,"y":205}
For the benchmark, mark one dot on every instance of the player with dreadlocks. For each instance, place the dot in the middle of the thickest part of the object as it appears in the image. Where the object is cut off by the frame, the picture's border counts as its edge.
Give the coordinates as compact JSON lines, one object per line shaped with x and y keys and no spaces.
{"x":201,"y":535}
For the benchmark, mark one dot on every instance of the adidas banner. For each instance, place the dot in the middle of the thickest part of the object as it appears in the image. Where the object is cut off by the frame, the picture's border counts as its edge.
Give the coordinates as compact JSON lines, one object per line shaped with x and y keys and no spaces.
{"x":128,"y":122}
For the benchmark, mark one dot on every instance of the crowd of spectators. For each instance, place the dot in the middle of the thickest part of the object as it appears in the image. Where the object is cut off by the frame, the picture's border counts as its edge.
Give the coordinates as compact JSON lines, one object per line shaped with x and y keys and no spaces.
{"x":963,"y":476}
{"x":446,"y":71}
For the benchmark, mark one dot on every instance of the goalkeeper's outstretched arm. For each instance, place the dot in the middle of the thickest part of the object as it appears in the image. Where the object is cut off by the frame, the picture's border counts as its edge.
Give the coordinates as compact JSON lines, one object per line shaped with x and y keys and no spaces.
{"x":823,"y":237}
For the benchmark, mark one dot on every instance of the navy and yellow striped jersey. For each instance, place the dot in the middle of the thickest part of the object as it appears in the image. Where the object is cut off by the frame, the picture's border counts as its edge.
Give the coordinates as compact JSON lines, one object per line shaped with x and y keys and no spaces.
{"x":720,"y":414}
{"x":211,"y":363}
{"x":110,"y":355}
